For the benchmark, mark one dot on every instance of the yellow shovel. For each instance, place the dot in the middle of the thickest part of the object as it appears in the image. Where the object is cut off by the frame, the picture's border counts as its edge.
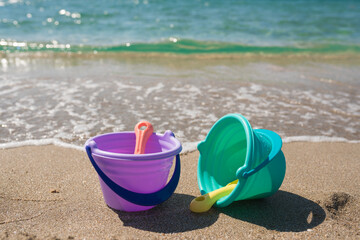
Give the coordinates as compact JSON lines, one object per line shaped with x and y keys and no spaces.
{"x":205,"y":202}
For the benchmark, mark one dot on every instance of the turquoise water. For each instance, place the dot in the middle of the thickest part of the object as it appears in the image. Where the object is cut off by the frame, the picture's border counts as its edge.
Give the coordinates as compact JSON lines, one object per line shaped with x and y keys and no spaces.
{"x":49,"y":95}
{"x":180,"y":26}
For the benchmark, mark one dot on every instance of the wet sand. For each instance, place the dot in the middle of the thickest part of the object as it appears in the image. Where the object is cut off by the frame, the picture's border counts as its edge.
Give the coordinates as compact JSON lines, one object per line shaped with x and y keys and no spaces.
{"x":50,"y":192}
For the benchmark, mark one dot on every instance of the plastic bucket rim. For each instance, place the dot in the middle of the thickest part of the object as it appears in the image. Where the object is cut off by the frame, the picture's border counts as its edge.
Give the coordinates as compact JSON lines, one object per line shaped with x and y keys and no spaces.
{"x":248,"y":158}
{"x":177,"y":148}
{"x":130,"y":160}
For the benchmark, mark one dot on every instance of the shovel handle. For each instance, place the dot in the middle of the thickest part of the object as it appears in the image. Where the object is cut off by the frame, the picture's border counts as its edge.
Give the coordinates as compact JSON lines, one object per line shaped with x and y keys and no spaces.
{"x":143,"y":131}
{"x":205,"y":202}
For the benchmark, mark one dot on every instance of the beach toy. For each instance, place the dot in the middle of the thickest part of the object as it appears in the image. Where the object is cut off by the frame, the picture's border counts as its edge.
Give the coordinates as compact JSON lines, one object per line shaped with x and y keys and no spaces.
{"x":233,"y":150}
{"x":143,"y":131}
{"x":135,"y":182}
{"x":205,"y":202}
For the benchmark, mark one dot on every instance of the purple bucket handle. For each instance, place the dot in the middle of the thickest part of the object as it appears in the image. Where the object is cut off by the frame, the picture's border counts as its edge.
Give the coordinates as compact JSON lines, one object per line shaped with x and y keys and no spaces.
{"x":144,"y":199}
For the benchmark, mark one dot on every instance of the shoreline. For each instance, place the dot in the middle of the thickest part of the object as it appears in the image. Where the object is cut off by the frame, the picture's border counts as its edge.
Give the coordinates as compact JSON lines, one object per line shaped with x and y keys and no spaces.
{"x":109,"y":92}
{"x":188,"y":147}
{"x":51,"y":191}
{"x":347,"y":57}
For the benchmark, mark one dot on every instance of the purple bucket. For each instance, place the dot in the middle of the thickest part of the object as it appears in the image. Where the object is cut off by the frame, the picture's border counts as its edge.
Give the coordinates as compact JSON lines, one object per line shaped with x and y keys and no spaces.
{"x":135,"y":182}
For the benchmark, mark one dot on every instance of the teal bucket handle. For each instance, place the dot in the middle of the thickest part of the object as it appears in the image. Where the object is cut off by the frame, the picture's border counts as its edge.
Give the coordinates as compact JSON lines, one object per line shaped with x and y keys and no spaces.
{"x":276,"y":145}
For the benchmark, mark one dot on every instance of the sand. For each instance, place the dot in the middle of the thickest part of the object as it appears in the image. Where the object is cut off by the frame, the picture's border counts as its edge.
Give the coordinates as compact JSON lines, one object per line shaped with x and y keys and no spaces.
{"x":50,"y":192}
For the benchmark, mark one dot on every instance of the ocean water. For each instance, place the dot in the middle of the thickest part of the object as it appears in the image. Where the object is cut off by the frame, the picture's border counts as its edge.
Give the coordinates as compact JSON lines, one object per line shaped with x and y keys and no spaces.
{"x":180,"y":26}
{"x":71,"y":70}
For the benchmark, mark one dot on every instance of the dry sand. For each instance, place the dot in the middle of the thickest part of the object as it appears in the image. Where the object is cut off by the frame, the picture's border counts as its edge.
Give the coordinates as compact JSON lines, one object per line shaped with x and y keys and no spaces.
{"x":50,"y":192}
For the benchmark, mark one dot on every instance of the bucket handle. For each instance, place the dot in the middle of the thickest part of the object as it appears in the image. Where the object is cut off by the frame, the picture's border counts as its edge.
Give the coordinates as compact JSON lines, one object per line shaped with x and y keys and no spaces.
{"x":144,"y":199}
{"x":276,"y":144}
{"x":255,"y":170}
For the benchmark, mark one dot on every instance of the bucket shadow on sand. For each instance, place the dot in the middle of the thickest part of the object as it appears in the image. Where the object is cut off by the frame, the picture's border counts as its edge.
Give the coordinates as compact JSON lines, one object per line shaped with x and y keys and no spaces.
{"x":172,"y":216}
{"x":283,"y":212}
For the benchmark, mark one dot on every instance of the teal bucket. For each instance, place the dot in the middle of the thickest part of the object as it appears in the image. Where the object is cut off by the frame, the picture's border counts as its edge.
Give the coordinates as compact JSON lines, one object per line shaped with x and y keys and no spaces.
{"x":233,"y":150}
